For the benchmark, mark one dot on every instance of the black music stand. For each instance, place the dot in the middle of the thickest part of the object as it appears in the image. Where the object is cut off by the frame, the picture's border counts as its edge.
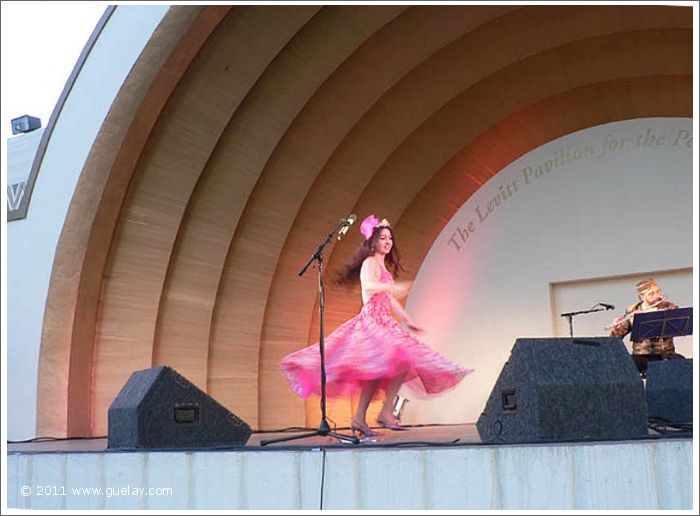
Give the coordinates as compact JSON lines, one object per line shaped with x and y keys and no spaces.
{"x":662,"y":324}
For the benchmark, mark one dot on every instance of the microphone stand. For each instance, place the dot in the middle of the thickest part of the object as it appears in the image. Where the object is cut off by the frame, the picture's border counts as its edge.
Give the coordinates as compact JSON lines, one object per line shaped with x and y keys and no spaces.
{"x":324,"y":428}
{"x":570,"y":315}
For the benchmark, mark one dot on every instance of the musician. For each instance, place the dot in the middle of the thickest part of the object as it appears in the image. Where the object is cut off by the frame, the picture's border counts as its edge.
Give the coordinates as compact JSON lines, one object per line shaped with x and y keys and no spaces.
{"x":650,"y":299}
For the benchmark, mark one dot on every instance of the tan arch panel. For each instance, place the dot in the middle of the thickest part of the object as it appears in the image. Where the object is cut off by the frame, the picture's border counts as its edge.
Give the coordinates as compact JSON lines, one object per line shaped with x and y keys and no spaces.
{"x":293,"y":168}
{"x":494,"y":149}
{"x":288,"y":117}
{"x":65,"y":360}
{"x":435,"y":142}
{"x":225,"y":70}
{"x":433,"y":207}
{"x":361,"y":153}
{"x":221,"y":194}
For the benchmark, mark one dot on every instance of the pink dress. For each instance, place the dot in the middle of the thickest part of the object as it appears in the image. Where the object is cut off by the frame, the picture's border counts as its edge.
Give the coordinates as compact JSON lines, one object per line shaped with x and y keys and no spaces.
{"x":372,"y":345}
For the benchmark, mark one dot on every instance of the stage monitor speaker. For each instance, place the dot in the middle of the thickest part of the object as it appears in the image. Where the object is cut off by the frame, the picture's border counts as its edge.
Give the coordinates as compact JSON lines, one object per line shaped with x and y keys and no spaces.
{"x":159,"y":408}
{"x":563,"y":389}
{"x":670,"y":390}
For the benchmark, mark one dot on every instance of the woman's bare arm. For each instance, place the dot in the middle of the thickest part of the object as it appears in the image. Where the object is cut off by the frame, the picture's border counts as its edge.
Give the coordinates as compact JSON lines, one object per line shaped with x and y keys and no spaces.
{"x":403,"y":315}
{"x":369,"y":277}
{"x":370,"y":273}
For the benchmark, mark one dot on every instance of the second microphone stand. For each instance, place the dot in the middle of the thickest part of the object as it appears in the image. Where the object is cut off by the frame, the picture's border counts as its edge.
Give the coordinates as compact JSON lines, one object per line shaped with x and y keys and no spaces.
{"x":324,"y":428}
{"x":570,"y":315}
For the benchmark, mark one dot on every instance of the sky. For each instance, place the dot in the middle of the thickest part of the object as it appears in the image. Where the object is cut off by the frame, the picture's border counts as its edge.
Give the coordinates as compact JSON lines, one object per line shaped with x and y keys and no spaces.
{"x":41,"y":42}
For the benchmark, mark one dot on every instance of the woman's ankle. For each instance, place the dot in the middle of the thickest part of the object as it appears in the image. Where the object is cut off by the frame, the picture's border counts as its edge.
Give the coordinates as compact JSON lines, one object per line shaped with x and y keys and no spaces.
{"x":386,"y":416}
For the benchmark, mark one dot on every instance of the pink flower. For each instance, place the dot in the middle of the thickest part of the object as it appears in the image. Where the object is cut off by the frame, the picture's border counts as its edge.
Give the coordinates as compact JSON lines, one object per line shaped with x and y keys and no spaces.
{"x":368,"y":225}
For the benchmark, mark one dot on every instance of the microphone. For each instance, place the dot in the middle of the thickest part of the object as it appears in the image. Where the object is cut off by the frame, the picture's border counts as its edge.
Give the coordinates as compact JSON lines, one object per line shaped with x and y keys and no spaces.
{"x":346,"y":225}
{"x":607,"y":306}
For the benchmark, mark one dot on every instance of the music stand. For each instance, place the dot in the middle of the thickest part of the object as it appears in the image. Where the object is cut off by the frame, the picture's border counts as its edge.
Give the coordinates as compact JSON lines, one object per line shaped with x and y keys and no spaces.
{"x":662,"y":324}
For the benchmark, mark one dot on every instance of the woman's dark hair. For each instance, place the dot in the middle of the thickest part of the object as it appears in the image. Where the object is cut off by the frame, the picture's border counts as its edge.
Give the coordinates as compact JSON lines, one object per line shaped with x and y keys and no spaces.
{"x":350,"y":272}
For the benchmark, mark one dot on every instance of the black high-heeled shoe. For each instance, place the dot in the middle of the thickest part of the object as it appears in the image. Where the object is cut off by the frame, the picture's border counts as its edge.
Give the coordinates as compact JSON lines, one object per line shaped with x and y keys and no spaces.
{"x":362,"y":428}
{"x":390,"y":425}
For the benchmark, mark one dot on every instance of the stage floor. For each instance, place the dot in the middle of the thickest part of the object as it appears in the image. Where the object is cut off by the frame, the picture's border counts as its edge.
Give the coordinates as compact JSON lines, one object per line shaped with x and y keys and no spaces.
{"x":414,"y":436}
{"x":428,"y":435}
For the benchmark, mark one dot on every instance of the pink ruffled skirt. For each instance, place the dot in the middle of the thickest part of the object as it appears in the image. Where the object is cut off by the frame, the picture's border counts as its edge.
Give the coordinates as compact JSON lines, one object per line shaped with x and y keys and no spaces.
{"x":370,"y":346}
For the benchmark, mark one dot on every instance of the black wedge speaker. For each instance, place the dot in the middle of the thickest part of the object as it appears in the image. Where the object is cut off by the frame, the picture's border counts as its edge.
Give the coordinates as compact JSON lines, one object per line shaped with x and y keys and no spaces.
{"x":563,"y":389}
{"x":670,"y":390}
{"x":159,"y":408}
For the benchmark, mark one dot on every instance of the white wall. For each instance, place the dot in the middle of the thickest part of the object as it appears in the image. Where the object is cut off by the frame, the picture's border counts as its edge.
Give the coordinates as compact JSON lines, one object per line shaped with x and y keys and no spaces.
{"x":21,"y":150}
{"x":31,"y":242}
{"x":609,"y":201}
{"x":572,"y":296}
{"x":647,"y":475}
{"x":20,"y":154}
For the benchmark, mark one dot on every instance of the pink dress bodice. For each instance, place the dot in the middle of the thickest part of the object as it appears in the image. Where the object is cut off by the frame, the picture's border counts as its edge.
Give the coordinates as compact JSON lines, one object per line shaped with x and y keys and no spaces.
{"x":379,"y":301}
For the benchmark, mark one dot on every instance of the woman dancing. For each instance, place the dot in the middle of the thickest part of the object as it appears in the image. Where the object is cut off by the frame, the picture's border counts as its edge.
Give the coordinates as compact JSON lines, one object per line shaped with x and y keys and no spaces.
{"x":372,"y":353}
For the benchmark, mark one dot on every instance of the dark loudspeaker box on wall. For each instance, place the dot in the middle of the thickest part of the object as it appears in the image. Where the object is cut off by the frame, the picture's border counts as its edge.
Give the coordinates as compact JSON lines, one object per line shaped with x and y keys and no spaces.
{"x":563,"y":389}
{"x":159,"y":408}
{"x":670,"y":390}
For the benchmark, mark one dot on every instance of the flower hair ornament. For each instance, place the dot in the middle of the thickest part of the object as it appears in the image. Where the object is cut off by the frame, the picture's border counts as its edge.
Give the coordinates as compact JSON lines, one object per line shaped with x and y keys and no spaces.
{"x":371,"y":222}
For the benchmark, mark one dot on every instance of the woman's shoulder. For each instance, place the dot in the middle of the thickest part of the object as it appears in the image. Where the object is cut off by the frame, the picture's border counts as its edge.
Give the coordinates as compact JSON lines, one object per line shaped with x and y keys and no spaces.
{"x":371,"y":262}
{"x":372,"y":267}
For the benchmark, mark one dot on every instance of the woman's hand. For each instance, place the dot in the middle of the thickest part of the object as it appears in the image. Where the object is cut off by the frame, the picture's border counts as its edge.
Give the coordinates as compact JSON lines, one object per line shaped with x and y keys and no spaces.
{"x":411,"y":326}
{"x":401,"y":289}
